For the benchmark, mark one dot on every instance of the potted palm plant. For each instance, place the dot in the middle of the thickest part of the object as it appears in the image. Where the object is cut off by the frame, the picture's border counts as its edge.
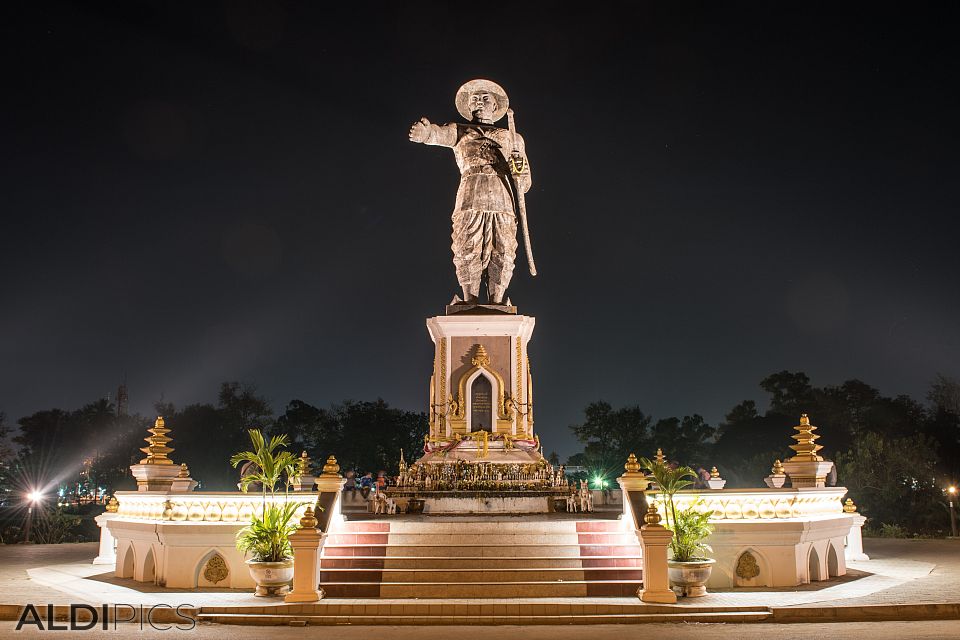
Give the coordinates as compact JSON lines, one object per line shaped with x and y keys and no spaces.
{"x":688,"y":567}
{"x":267,"y":535}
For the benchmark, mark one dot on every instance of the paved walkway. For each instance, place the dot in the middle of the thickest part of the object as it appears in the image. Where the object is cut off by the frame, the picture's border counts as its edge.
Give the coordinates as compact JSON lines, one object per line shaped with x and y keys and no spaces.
{"x":934,"y":630}
{"x":899,"y":572}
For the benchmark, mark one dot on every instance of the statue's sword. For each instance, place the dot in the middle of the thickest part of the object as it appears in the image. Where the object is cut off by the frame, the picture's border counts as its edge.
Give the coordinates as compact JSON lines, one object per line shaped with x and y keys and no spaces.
{"x":517,"y":167}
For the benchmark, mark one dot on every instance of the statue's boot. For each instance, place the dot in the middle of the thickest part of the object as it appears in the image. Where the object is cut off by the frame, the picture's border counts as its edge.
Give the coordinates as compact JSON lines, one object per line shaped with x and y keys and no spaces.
{"x":496,"y":294}
{"x":471,"y":293}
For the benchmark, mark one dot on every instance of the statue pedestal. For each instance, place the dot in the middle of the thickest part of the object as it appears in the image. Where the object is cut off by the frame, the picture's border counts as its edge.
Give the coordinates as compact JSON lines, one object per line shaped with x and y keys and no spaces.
{"x":481,"y":395}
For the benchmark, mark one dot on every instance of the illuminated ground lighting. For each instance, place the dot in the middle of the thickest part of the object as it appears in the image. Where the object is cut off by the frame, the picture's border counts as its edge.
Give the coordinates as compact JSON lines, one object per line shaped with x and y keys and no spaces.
{"x":35,"y":496}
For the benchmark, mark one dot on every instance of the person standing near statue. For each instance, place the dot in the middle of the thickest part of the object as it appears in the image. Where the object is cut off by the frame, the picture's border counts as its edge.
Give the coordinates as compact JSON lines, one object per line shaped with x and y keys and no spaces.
{"x":495,"y":175}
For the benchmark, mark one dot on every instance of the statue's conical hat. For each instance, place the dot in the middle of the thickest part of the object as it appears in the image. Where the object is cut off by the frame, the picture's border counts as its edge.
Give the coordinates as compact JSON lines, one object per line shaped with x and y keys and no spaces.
{"x":481,"y":85}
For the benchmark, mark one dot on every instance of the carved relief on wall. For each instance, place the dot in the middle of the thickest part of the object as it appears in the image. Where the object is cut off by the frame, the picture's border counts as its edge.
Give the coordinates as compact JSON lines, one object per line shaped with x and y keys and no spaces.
{"x":216,"y":569}
{"x":747,"y":567}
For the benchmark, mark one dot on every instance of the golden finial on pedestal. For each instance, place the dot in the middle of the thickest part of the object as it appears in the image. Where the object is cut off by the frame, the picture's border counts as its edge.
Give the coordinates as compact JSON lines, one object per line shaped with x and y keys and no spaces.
{"x":715,"y":474}
{"x":805,"y":447}
{"x":632,"y":466}
{"x":651,"y":516}
{"x":184,"y":471}
{"x":660,"y":458}
{"x":403,"y":463}
{"x":112,"y":505}
{"x":777,"y":469}
{"x":157,"y":448}
{"x":331,"y":468}
{"x":849,"y":507}
{"x":308,"y":521}
{"x":303,"y":464}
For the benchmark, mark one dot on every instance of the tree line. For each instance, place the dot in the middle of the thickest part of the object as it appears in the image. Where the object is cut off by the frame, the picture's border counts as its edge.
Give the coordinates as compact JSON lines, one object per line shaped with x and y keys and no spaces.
{"x":894,"y":454}
{"x":94,"y":446}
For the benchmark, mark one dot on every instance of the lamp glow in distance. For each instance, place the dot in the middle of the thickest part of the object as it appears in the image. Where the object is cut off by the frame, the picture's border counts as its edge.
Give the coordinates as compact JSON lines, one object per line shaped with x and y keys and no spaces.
{"x":34,"y":497}
{"x":952,"y":493}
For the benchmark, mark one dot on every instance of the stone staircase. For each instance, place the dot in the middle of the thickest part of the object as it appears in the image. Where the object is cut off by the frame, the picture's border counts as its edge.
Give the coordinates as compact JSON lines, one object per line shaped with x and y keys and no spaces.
{"x":486,"y":571}
{"x":482,"y":558}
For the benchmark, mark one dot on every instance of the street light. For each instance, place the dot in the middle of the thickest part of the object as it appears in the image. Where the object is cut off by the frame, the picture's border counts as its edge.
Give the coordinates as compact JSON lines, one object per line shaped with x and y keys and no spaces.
{"x":952,"y":492}
{"x":34,"y":497}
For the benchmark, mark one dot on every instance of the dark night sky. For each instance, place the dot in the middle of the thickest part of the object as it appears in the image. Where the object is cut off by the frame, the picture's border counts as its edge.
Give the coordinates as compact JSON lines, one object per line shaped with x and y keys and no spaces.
{"x":197,"y":194}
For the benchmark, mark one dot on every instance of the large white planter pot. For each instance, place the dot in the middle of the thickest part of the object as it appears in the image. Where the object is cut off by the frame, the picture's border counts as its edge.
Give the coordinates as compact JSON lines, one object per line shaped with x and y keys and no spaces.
{"x":272,"y":578}
{"x":690,"y":578}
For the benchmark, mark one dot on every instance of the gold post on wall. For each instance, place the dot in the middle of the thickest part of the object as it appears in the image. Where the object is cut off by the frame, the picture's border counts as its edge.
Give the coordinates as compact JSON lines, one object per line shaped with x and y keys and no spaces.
{"x":806,"y":449}
{"x":157,"y":448}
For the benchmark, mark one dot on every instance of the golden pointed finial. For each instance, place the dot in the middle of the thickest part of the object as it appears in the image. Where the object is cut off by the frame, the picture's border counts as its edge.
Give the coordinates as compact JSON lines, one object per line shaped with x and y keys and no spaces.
{"x":184,"y":471}
{"x":303,"y":464}
{"x":112,"y":505}
{"x":331,"y":468}
{"x":403,"y":463}
{"x":849,"y":507}
{"x":157,"y":448}
{"x":632,"y":466}
{"x":777,"y":469}
{"x":651,"y":516}
{"x":660,"y":458}
{"x":806,"y":448}
{"x":480,"y":357}
{"x":715,"y":474}
{"x":308,"y":521}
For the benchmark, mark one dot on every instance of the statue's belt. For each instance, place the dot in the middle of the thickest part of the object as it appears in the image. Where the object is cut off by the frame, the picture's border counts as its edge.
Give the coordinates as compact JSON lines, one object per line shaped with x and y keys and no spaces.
{"x":486,"y":169}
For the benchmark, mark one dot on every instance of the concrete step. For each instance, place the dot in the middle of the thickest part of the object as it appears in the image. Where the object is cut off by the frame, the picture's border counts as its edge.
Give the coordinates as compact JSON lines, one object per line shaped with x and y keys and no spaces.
{"x":460,"y":576}
{"x":526,"y":606}
{"x":479,"y":550}
{"x":487,"y":525}
{"x":494,"y":619}
{"x":483,"y":590}
{"x":476,"y":562}
{"x":486,"y":539}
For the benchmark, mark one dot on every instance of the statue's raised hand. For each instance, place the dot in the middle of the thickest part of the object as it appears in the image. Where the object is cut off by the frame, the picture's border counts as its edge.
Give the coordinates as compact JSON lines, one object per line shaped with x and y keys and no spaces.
{"x":420,"y":131}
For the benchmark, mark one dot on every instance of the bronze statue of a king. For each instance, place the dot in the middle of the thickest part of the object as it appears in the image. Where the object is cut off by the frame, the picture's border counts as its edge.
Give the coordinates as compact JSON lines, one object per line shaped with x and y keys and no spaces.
{"x":495,"y":175}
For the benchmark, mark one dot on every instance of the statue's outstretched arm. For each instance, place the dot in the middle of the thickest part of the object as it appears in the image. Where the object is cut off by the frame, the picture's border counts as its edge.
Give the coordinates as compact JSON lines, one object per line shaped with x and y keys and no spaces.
{"x":424,"y":132}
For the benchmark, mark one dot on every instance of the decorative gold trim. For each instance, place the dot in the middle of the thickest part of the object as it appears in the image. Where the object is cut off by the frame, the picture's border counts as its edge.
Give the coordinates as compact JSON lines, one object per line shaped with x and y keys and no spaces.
{"x":529,"y":427}
{"x":443,"y":379}
{"x":433,"y":397}
{"x":480,"y":357}
{"x":481,"y":360}
{"x":519,"y":386}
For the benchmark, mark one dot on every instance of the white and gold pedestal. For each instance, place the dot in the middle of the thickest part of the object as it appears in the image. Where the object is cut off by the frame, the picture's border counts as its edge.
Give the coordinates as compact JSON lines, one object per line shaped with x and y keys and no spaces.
{"x":481,"y":394}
